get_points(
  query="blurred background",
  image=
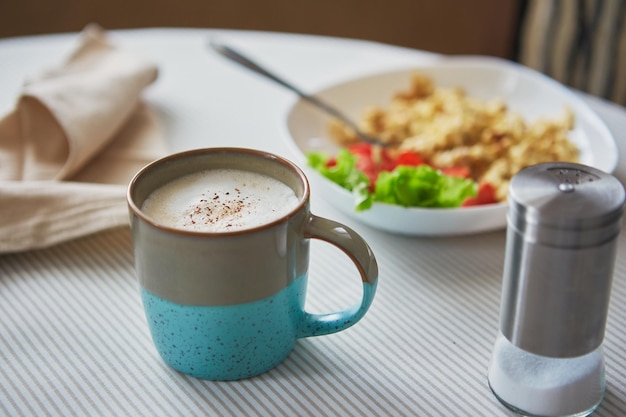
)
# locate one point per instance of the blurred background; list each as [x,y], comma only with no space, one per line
[581,43]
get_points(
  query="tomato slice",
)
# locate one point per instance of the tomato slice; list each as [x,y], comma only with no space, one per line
[361,148]
[409,158]
[486,194]
[372,160]
[461,172]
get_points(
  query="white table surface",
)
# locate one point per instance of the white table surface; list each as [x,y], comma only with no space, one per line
[73,338]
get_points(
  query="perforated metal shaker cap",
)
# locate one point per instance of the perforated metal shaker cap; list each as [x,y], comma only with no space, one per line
[566,204]
[563,221]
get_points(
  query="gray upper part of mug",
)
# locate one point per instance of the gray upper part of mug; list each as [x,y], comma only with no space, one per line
[218,267]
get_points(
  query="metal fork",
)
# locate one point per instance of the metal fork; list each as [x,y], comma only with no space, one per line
[237,57]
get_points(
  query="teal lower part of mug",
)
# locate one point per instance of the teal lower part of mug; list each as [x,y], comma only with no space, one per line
[226,342]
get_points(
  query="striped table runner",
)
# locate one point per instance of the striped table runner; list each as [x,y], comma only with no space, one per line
[74,341]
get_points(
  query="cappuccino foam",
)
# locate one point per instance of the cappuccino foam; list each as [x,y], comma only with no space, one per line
[220,200]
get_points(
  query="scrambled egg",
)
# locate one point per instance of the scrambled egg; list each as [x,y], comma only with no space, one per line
[450,129]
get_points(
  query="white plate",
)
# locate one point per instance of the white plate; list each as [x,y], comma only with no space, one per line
[524,90]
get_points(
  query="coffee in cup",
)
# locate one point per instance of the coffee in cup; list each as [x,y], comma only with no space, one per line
[220,200]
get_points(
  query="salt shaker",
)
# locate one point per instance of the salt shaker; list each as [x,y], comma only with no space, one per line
[563,223]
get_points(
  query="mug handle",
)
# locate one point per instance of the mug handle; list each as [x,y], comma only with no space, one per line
[361,254]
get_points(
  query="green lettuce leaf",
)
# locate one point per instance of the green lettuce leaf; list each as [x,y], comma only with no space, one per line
[422,186]
[345,174]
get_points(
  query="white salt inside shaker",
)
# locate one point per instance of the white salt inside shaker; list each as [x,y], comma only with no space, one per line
[563,222]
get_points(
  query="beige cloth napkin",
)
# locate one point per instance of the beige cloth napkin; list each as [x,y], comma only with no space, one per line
[75,138]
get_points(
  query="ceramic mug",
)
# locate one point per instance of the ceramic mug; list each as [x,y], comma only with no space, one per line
[230,305]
